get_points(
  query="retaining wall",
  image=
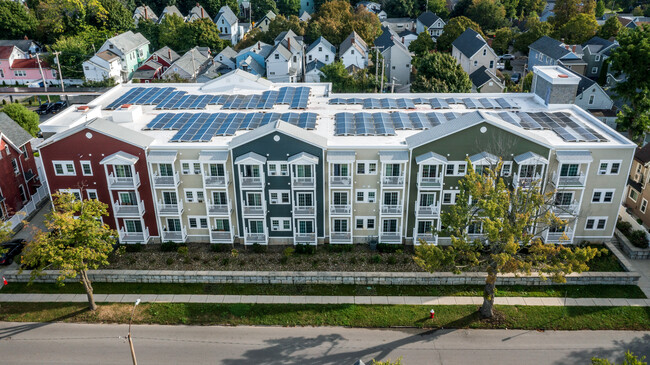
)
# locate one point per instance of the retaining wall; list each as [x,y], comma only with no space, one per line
[630,250]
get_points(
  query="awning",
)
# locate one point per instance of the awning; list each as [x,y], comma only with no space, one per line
[213,156]
[162,156]
[484,158]
[530,158]
[119,158]
[393,156]
[250,158]
[574,156]
[431,157]
[303,158]
[341,156]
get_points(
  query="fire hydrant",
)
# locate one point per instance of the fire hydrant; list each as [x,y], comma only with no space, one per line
[432,313]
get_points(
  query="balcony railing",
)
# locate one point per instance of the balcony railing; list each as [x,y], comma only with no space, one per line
[340,237]
[304,210]
[393,181]
[250,238]
[340,181]
[166,181]
[123,182]
[559,237]
[253,210]
[432,210]
[248,182]
[389,209]
[569,181]
[303,182]
[216,181]
[426,237]
[430,182]
[136,237]
[340,209]
[170,209]
[219,209]
[390,237]
[175,236]
[564,210]
[220,237]
[308,238]
[526,181]
[126,211]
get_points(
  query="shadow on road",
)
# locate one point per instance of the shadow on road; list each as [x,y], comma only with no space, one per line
[8,332]
[639,346]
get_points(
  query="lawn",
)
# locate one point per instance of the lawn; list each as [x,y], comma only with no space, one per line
[570,291]
[348,315]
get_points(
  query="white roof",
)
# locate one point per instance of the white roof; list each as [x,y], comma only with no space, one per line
[213,156]
[393,156]
[119,158]
[341,156]
[574,156]
[430,157]
[162,156]
[530,158]
[302,158]
[484,158]
[250,158]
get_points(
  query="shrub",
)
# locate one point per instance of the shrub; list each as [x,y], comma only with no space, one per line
[639,239]
[257,248]
[624,227]
[305,249]
[170,261]
[219,247]
[225,261]
[391,260]
[137,247]
[169,246]
[182,250]
[234,252]
[288,252]
[375,259]
[284,260]
[353,260]
[338,248]
[131,260]
[388,247]
[120,250]
[638,220]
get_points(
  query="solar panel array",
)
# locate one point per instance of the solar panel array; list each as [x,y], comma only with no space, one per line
[168,98]
[201,127]
[385,124]
[435,103]
[559,122]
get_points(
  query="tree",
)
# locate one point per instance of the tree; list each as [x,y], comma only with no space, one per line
[460,9]
[611,28]
[261,7]
[630,359]
[23,116]
[69,17]
[362,81]
[288,7]
[77,49]
[527,8]
[589,8]
[511,8]
[488,14]
[439,73]
[16,21]
[511,221]
[5,232]
[527,82]
[502,39]
[422,45]
[399,8]
[79,241]
[206,34]
[149,30]
[119,18]
[565,10]
[175,33]
[629,58]
[453,29]
[438,7]
[335,20]
[578,30]
[535,31]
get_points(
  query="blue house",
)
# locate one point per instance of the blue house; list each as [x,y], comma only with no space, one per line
[547,51]
[253,58]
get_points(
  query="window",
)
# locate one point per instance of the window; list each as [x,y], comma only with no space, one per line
[591,99]
[310,57]
[506,169]
[21,192]
[365,222]
[596,223]
[449,197]
[25,154]
[277,56]
[194,196]
[602,195]
[637,173]
[484,51]
[644,205]
[92,194]
[352,51]
[185,167]
[278,168]
[7,150]
[20,73]
[366,195]
[563,198]
[340,225]
[594,70]
[279,196]
[367,167]
[86,168]
[280,224]
[190,168]
[475,63]
[634,195]
[597,58]
[14,164]
[609,167]
[491,64]
[198,222]
[456,169]
[64,168]
[75,192]
[320,49]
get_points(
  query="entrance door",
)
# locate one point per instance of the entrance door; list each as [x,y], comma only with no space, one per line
[305,226]
[255,226]
[170,198]
[427,199]
[127,198]
[173,225]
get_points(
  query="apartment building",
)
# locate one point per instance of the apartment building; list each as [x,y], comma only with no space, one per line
[243,159]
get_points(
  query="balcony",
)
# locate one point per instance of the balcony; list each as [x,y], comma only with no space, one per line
[170,209]
[340,237]
[250,238]
[216,181]
[219,209]
[391,209]
[132,182]
[526,182]
[303,182]
[430,183]
[566,210]
[220,237]
[427,211]
[166,181]
[304,238]
[134,237]
[392,181]
[304,210]
[340,209]
[253,210]
[175,236]
[248,182]
[426,237]
[128,211]
[341,181]
[390,237]
[569,181]
[559,237]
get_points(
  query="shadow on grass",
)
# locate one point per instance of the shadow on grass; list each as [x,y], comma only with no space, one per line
[8,332]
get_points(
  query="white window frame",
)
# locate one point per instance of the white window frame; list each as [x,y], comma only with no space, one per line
[597,58]
[602,192]
[92,191]
[366,167]
[595,221]
[457,165]
[454,195]
[75,192]
[278,200]
[509,164]
[594,70]
[281,224]
[86,163]
[608,169]
[644,205]
[277,166]
[15,166]
[192,167]
[198,220]
[64,165]
[366,196]
[365,220]
[630,195]
[194,195]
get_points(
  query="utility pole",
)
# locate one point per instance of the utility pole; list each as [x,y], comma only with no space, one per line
[382,75]
[38,60]
[56,54]
[135,362]
[194,72]
[376,48]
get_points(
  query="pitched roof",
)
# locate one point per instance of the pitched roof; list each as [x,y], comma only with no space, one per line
[21,44]
[480,77]
[13,132]
[281,126]
[107,55]
[5,52]
[469,42]
[139,12]
[199,12]
[145,74]
[260,48]
[165,52]
[389,39]
[106,127]
[171,9]
[128,41]
[353,40]
[325,43]
[642,154]
[304,16]
[315,64]
[271,15]
[283,36]
[550,47]
[228,53]
[227,13]
[281,50]
[21,63]
[192,61]
[428,18]
[597,44]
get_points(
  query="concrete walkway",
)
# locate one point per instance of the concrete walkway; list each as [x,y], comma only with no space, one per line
[643,268]
[306,299]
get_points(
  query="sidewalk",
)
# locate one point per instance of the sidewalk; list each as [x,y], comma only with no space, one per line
[643,268]
[306,299]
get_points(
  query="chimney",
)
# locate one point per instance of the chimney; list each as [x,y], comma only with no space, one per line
[574,48]
[289,44]
[201,11]
[169,54]
[259,46]
[145,12]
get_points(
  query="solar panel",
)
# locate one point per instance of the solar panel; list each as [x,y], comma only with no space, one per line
[144,95]
[388,103]
[180,121]
[307,120]
[363,124]
[510,118]
[528,122]
[419,120]
[439,103]
[285,95]
[355,101]
[402,121]
[420,101]
[344,124]
[436,118]
[300,98]
[124,98]
[383,124]
[172,99]
[471,103]
[371,103]
[506,104]
[156,121]
[454,101]
[160,96]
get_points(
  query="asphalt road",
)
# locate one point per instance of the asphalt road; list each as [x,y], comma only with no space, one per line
[26,343]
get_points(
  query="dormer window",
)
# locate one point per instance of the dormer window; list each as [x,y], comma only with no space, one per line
[352,52]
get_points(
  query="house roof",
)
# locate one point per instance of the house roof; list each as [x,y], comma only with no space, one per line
[228,53]
[106,127]
[199,12]
[270,15]
[325,43]
[192,61]
[145,74]
[139,12]
[13,132]
[642,154]
[290,129]
[252,63]
[469,42]
[598,44]
[107,56]
[480,77]
[236,80]
[165,52]
[283,36]
[171,9]
[128,41]
[406,33]
[281,50]
[428,18]
[22,63]
[21,44]
[315,64]
[227,13]
[353,39]
[5,52]
[260,48]
[550,47]
[304,16]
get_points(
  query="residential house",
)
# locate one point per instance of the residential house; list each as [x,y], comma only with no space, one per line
[485,81]
[382,15]
[156,65]
[253,58]
[547,51]
[472,51]
[170,10]
[322,50]
[211,72]
[226,58]
[132,48]
[103,66]
[595,52]
[548,12]
[197,12]
[17,68]
[189,65]
[285,60]
[307,6]
[304,16]
[371,6]
[228,25]
[397,59]
[638,194]
[590,95]
[263,24]
[399,25]
[144,12]
[26,46]
[313,72]
[354,51]
[17,168]
[430,23]
[321,168]
[406,37]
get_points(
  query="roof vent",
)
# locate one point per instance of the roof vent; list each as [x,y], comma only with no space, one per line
[125,106]
[83,108]
[563,76]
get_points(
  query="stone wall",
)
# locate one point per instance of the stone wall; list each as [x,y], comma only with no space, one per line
[630,250]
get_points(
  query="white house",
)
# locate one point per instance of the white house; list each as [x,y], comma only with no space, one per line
[132,48]
[430,23]
[397,58]
[321,50]
[227,58]
[354,51]
[263,24]
[103,66]
[313,72]
[284,62]
[472,51]
[228,25]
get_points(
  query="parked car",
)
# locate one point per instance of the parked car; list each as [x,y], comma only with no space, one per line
[500,66]
[36,84]
[59,105]
[507,57]
[515,77]
[45,108]
[14,248]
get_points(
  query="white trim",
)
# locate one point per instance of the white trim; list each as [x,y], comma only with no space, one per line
[601,199]
[366,197]
[596,220]
[629,195]
[608,169]
[86,163]
[644,205]
[278,200]
[64,165]
[94,191]
[365,223]
[198,221]
[454,194]
[281,222]
[366,167]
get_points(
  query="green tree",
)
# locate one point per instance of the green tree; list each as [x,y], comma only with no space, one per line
[527,82]
[511,8]
[16,21]
[118,17]
[565,10]
[149,30]
[578,30]
[638,11]
[502,39]
[77,49]
[438,7]
[175,33]
[69,17]
[399,8]
[212,7]
[439,73]
[288,7]
[611,28]
[422,45]
[600,9]
[460,9]
[335,20]
[206,34]
[511,221]
[589,8]
[488,14]
[79,241]
[630,359]
[535,31]
[629,58]
[527,8]
[261,7]
[362,81]
[23,116]
[453,29]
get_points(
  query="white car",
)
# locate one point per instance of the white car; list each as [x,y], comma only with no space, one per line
[507,57]
[500,66]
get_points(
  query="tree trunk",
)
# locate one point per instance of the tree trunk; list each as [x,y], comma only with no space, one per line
[89,290]
[488,295]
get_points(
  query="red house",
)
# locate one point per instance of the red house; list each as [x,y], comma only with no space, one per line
[103,160]
[19,177]
[155,65]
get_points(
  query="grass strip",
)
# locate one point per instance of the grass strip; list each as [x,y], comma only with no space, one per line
[569,291]
[348,315]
